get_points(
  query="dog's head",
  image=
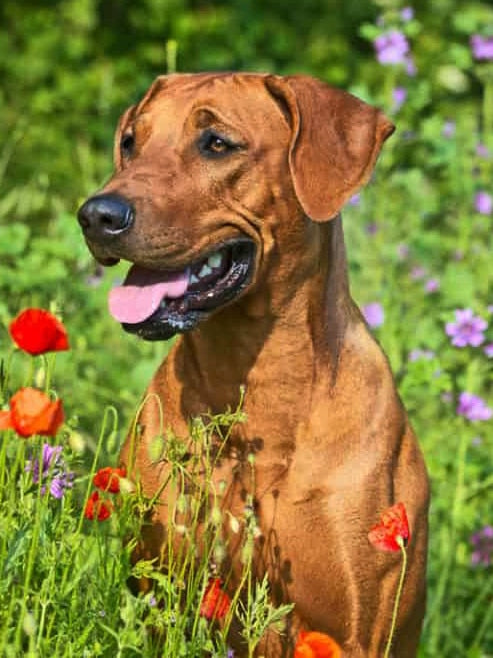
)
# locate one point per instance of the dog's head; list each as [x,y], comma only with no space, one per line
[214,175]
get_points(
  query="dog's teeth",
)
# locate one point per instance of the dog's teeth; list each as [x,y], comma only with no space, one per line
[193,279]
[214,260]
[205,271]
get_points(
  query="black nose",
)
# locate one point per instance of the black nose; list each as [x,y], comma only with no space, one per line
[105,215]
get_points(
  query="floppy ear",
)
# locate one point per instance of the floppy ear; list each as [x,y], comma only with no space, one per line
[336,139]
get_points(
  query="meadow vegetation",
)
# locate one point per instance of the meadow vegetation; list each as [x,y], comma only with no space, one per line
[419,241]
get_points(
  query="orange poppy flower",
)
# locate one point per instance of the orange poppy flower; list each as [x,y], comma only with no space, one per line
[215,602]
[37,331]
[312,644]
[108,479]
[32,412]
[97,508]
[393,526]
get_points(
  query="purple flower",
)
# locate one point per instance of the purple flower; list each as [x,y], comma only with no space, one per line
[53,471]
[482,47]
[407,13]
[417,272]
[490,308]
[371,228]
[473,407]
[373,314]
[399,95]
[482,151]
[467,328]
[432,285]
[482,543]
[448,129]
[483,203]
[355,199]
[391,48]
[402,251]
[488,350]
[410,66]
[416,354]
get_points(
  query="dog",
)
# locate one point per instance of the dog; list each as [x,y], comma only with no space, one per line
[226,200]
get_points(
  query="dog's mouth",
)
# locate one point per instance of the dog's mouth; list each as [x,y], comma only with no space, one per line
[155,304]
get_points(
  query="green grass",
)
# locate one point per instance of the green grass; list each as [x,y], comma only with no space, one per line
[63,590]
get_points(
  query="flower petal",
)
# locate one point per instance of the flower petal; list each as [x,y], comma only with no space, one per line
[312,644]
[37,331]
[6,420]
[108,479]
[33,412]
[97,508]
[215,602]
[393,526]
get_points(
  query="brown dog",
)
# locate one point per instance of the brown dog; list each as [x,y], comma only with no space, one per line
[226,199]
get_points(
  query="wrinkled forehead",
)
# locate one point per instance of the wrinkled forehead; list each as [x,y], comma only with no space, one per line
[238,99]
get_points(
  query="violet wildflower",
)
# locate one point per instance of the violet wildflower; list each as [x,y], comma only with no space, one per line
[402,251]
[373,314]
[432,285]
[482,151]
[473,407]
[482,47]
[371,228]
[399,95]
[482,542]
[490,309]
[355,199]
[483,203]
[410,66]
[488,350]
[53,471]
[418,272]
[448,129]
[391,47]
[418,353]
[467,329]
[407,14]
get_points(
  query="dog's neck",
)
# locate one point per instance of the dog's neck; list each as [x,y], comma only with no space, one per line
[258,341]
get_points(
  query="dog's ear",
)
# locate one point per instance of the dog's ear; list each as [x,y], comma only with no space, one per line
[336,139]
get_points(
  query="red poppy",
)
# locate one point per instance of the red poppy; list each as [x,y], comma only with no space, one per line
[108,479]
[37,331]
[98,508]
[393,527]
[32,412]
[311,644]
[215,602]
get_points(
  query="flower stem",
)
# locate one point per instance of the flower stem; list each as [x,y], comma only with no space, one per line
[397,597]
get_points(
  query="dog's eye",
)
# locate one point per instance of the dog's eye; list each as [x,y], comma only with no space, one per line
[127,145]
[212,145]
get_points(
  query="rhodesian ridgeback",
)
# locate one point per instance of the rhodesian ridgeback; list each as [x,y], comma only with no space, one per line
[226,200]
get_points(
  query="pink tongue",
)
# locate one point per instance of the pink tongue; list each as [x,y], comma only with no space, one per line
[142,292]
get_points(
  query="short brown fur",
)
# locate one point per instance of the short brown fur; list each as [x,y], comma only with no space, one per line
[336,447]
